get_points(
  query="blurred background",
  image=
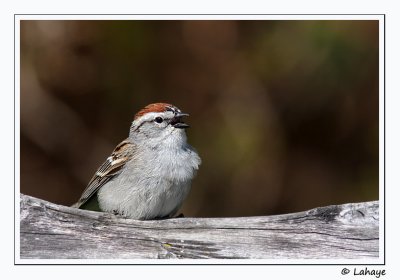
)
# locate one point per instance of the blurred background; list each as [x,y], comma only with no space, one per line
[284,114]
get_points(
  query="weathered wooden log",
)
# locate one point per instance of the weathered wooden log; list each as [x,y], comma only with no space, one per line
[347,231]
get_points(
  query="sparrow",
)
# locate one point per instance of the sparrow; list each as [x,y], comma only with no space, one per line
[149,174]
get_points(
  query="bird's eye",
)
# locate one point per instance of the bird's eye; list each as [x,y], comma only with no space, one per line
[158,120]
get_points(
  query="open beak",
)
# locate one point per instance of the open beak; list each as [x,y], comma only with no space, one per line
[177,121]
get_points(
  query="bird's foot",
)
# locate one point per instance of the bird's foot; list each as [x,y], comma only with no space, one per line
[117,213]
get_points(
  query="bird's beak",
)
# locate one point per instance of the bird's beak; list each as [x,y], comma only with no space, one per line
[177,120]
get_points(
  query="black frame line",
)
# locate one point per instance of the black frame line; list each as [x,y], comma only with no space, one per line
[225,264]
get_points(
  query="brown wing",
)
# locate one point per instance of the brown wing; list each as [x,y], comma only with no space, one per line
[111,167]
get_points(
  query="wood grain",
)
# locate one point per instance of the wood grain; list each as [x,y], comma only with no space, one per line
[50,231]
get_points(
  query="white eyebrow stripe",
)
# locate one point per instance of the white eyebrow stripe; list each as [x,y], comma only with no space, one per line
[173,109]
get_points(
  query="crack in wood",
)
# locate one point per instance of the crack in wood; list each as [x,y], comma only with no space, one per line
[345,231]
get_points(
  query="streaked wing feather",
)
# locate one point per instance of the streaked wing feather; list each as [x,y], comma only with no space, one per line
[111,167]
